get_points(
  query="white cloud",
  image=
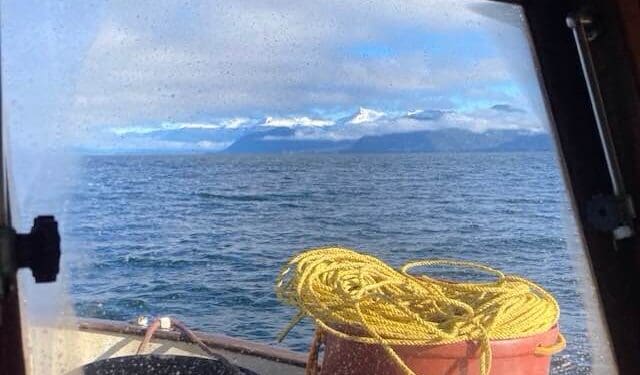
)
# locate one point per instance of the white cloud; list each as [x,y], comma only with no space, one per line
[289,122]
[258,56]
[477,120]
[141,143]
[189,125]
[133,130]
[163,126]
[235,123]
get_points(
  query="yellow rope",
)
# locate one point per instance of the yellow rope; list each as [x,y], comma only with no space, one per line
[360,298]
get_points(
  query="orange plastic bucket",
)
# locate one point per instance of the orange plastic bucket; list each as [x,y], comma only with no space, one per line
[509,357]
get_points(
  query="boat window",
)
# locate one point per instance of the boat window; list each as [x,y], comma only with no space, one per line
[188,149]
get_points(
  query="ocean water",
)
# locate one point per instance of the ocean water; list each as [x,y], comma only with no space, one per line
[202,237]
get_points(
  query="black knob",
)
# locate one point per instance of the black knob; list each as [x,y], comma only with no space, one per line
[40,249]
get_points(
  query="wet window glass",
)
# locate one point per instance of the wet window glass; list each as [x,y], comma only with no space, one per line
[189,149]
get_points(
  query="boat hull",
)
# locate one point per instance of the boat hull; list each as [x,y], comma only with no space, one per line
[88,340]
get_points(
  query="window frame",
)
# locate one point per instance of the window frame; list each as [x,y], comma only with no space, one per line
[615,266]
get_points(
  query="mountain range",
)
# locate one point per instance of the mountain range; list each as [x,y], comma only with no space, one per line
[365,131]
[442,140]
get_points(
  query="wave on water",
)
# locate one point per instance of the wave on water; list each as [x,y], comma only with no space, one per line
[254,197]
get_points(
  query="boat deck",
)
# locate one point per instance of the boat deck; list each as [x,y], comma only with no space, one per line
[88,340]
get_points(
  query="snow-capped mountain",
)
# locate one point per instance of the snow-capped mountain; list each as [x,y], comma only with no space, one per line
[365,115]
[366,129]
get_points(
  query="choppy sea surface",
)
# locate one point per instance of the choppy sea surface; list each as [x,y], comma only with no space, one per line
[202,237]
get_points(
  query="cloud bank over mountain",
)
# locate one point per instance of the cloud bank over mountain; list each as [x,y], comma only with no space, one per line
[363,122]
[189,74]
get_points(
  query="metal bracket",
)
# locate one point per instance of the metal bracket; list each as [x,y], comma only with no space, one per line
[607,213]
[614,214]
[38,250]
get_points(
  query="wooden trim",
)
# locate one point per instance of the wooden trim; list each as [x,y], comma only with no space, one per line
[629,14]
[214,341]
[12,359]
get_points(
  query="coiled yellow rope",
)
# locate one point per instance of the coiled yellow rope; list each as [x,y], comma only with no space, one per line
[360,298]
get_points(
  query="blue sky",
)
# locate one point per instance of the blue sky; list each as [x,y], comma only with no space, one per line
[74,71]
